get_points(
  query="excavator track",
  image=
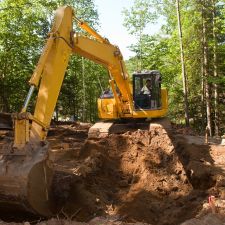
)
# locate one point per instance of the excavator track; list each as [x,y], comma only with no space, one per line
[104,128]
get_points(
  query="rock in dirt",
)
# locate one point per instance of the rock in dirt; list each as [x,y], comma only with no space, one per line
[111,221]
[210,219]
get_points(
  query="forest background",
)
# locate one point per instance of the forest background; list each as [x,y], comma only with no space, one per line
[188,50]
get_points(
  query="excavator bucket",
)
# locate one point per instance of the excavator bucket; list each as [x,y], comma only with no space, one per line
[5,121]
[25,180]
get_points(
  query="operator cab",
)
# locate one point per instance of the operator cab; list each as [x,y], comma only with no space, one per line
[147,90]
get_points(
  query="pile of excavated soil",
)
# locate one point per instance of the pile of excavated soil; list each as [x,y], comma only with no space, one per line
[153,177]
[146,176]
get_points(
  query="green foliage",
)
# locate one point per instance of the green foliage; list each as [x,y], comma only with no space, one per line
[162,52]
[71,99]
[23,30]
[136,20]
[23,25]
[139,16]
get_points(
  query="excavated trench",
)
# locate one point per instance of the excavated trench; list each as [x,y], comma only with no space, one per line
[155,176]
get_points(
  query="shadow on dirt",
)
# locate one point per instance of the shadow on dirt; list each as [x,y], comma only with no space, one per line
[147,176]
[151,208]
[176,181]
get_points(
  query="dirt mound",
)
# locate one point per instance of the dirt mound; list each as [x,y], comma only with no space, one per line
[137,176]
[152,177]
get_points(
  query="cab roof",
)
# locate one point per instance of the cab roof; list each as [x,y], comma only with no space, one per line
[147,72]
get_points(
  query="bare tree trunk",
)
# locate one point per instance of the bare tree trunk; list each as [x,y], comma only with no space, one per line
[56,113]
[140,50]
[206,70]
[203,111]
[203,94]
[215,71]
[90,108]
[84,91]
[184,75]
[3,95]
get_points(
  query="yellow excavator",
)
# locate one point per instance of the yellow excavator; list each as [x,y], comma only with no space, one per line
[26,178]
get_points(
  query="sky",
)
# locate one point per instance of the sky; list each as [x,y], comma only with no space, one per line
[111,24]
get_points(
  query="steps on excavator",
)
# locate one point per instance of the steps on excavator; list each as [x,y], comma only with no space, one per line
[162,123]
[100,129]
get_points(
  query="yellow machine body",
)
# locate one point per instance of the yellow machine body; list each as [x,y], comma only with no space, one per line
[107,109]
[49,74]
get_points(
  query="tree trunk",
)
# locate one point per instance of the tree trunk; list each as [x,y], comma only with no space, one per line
[140,50]
[4,107]
[215,71]
[206,69]
[56,113]
[84,91]
[202,93]
[184,75]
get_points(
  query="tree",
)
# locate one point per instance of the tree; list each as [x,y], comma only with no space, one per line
[24,27]
[184,76]
[203,39]
[136,20]
[18,39]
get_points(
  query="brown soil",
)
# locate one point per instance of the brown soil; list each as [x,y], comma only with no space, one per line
[153,177]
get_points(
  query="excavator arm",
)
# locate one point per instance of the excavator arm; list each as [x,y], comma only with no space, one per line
[110,57]
[49,73]
[47,77]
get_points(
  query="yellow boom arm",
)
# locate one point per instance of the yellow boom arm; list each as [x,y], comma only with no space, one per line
[50,71]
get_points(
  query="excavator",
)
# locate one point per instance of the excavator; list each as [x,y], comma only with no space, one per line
[26,177]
